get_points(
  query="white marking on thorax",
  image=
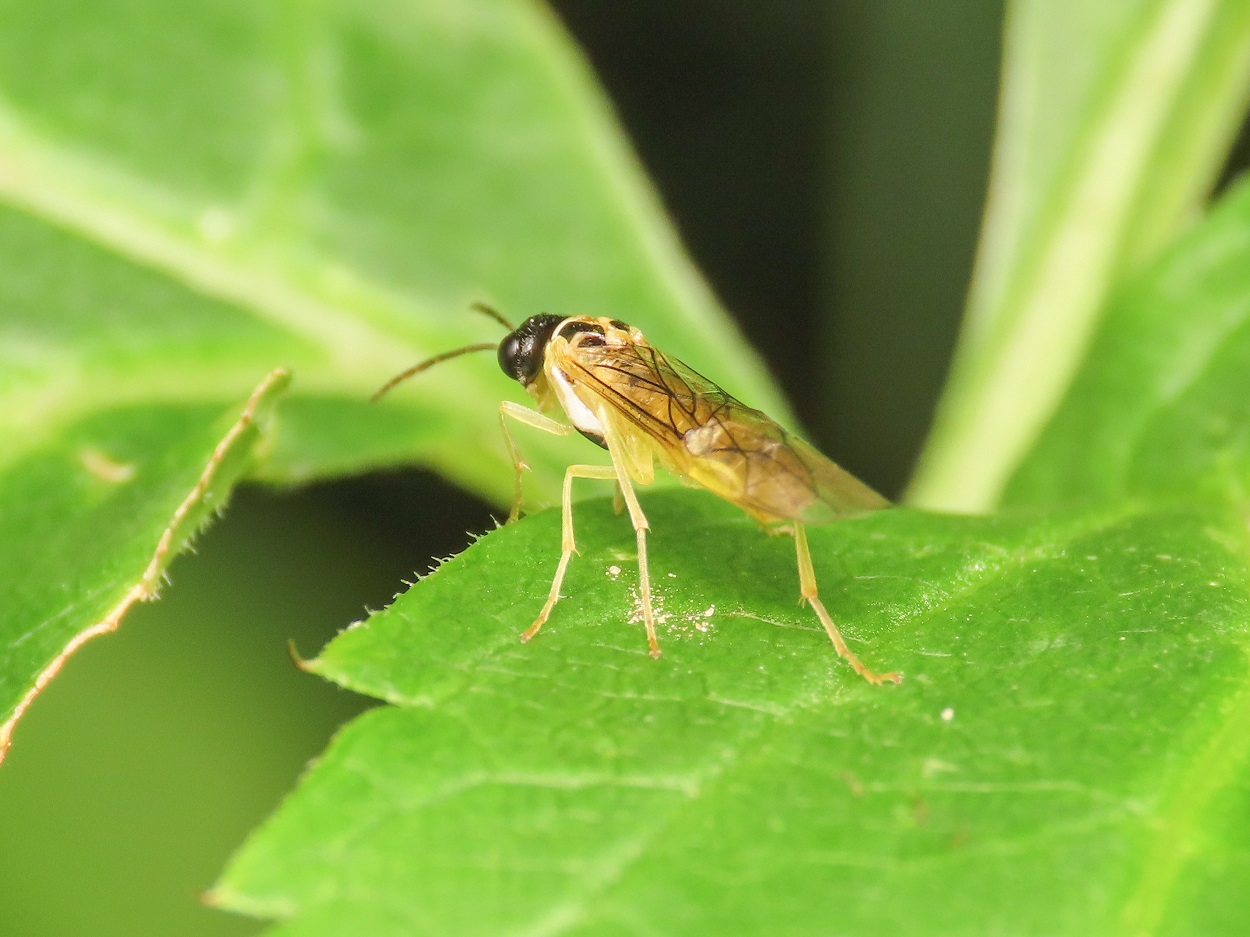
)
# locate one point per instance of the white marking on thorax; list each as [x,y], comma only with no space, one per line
[579,414]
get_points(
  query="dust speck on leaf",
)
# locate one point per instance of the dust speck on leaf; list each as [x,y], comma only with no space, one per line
[105,467]
[700,620]
[657,607]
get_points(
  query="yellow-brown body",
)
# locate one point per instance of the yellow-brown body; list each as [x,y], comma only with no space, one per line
[643,407]
[661,409]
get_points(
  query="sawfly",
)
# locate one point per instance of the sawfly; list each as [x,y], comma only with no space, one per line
[643,407]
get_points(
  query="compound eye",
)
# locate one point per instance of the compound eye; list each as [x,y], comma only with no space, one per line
[521,353]
[510,355]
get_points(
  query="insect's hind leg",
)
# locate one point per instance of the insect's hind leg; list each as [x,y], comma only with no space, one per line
[807,590]
[567,544]
[639,520]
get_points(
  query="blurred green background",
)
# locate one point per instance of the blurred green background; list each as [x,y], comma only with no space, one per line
[826,165]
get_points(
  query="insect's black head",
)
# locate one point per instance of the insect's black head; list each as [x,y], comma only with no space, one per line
[521,351]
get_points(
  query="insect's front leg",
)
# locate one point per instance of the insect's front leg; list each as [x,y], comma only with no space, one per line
[567,544]
[807,591]
[530,418]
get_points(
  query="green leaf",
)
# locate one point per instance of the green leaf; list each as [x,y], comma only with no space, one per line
[341,180]
[95,515]
[1161,408]
[1065,755]
[193,195]
[1114,119]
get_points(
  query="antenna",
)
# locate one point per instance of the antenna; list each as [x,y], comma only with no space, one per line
[447,355]
[427,364]
[494,314]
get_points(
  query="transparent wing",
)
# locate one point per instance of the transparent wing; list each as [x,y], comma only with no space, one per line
[707,437]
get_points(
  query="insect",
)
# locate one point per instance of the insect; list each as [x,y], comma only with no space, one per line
[643,407]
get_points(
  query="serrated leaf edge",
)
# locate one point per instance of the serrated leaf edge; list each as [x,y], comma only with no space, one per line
[148,585]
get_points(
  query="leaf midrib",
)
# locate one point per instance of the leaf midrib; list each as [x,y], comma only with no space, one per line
[1025,341]
[359,332]
[360,328]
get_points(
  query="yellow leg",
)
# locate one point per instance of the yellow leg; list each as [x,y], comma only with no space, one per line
[807,591]
[639,520]
[530,418]
[567,545]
